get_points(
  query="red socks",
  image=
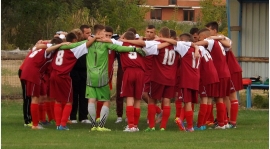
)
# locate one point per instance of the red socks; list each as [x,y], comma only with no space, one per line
[158,110]
[49,111]
[66,113]
[137,114]
[35,113]
[202,115]
[130,116]
[225,114]
[99,106]
[182,113]
[151,115]
[178,107]
[220,113]
[52,108]
[208,112]
[42,112]
[189,119]
[211,115]
[234,111]
[165,116]
[58,113]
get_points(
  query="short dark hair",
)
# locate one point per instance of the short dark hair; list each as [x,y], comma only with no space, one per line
[193,30]
[165,32]
[203,30]
[173,34]
[56,40]
[98,27]
[129,35]
[82,27]
[109,29]
[132,30]
[151,27]
[70,36]
[189,36]
[213,25]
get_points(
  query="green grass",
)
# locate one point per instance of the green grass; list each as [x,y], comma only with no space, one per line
[252,132]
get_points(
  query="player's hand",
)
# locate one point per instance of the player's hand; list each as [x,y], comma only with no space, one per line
[140,51]
[197,54]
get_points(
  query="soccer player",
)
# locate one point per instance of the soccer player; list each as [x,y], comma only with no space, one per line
[148,41]
[194,32]
[78,76]
[236,77]
[31,74]
[132,84]
[60,83]
[218,54]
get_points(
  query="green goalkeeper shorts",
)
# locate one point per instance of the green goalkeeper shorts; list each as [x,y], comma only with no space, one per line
[99,93]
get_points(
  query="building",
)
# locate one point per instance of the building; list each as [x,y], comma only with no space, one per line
[180,10]
[248,22]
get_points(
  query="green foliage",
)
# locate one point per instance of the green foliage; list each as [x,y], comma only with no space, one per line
[213,10]
[25,22]
[121,14]
[261,102]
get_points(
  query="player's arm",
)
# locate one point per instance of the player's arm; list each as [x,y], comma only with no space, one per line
[136,42]
[226,42]
[55,47]
[169,40]
[124,49]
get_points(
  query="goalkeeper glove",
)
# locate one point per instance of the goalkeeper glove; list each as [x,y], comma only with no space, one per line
[140,51]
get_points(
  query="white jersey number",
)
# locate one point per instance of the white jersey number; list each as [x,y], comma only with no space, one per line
[59,57]
[169,57]
[207,56]
[194,61]
[34,53]
[132,55]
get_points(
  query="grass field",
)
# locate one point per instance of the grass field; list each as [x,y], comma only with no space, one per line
[252,132]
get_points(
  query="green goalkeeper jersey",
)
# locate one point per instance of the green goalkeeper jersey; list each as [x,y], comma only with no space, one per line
[97,61]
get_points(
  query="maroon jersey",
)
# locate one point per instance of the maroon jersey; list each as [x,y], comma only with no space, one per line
[232,62]
[111,61]
[190,70]
[64,60]
[165,66]
[218,54]
[131,59]
[208,72]
[148,61]
[32,65]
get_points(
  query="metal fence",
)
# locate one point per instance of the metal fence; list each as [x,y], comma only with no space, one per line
[10,82]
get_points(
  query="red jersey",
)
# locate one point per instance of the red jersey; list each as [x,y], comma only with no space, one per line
[64,60]
[111,61]
[232,62]
[165,66]
[218,54]
[208,72]
[190,69]
[32,65]
[131,59]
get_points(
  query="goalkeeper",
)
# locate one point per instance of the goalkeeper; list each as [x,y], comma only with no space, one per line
[97,87]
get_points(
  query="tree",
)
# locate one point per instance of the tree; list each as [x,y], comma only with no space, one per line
[213,10]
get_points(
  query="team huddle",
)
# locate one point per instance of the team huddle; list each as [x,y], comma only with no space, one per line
[156,68]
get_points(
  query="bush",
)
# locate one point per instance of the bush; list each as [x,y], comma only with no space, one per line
[261,102]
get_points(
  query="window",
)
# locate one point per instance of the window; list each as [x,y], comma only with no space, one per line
[156,14]
[188,15]
[172,2]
